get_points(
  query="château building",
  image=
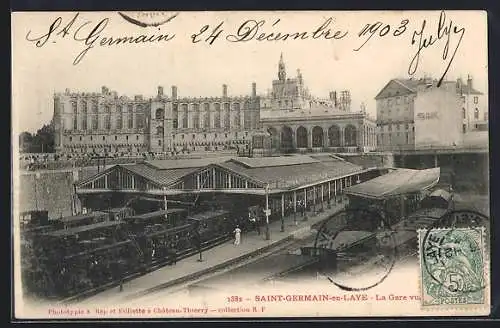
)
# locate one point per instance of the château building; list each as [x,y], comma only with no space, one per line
[296,120]
[107,122]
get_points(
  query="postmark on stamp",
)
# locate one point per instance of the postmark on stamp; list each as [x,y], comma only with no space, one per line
[452,266]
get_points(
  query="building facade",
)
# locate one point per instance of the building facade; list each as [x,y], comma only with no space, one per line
[341,132]
[399,107]
[295,120]
[100,122]
[106,123]
[436,108]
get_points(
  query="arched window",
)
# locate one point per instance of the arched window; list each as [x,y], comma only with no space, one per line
[130,116]
[247,116]
[160,114]
[350,135]
[301,137]
[476,114]
[236,108]
[184,108]
[159,131]
[217,116]
[95,107]
[84,115]
[84,107]
[286,138]
[196,116]
[175,116]
[107,122]
[334,136]
[227,116]
[139,118]
[274,137]
[317,137]
[464,116]
[206,118]
[119,117]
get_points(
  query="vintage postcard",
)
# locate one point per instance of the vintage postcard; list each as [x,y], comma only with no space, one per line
[250,164]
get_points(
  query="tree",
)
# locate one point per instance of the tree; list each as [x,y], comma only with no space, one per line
[41,142]
[25,142]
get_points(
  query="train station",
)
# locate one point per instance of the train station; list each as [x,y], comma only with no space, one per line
[135,219]
[278,185]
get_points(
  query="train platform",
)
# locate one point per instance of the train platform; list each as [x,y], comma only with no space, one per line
[214,259]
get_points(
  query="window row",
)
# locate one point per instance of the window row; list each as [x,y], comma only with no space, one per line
[476,114]
[397,127]
[193,136]
[94,108]
[103,138]
[94,123]
[396,101]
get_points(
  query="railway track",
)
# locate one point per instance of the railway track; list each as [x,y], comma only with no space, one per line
[288,244]
[155,265]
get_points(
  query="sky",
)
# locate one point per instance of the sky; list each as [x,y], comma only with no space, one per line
[200,69]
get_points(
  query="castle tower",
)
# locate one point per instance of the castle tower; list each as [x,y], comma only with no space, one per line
[281,69]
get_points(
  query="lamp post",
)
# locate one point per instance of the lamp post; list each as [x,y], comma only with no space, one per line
[268,235]
[282,228]
[165,202]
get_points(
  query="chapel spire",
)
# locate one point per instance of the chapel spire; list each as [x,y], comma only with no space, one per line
[281,69]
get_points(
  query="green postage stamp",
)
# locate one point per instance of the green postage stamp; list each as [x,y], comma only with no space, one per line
[453,267]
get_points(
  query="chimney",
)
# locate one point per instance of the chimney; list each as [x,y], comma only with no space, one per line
[174,92]
[333,97]
[224,90]
[254,89]
[469,82]
[160,91]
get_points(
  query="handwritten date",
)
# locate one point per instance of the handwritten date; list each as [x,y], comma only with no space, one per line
[381,30]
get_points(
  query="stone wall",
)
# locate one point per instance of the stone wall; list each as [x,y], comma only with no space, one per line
[49,190]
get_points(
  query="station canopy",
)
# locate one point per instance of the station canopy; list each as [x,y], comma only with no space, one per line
[288,172]
[279,173]
[397,182]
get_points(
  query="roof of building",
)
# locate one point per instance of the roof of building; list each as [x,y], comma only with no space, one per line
[155,214]
[159,176]
[169,164]
[88,227]
[441,194]
[318,111]
[290,173]
[397,182]
[255,162]
[208,215]
[80,217]
[280,172]
[412,85]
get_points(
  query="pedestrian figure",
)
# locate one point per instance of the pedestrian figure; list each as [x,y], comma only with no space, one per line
[237,235]
[121,285]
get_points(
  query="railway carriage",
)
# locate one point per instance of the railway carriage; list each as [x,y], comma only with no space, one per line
[119,213]
[155,221]
[212,226]
[60,255]
[88,251]
[82,219]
